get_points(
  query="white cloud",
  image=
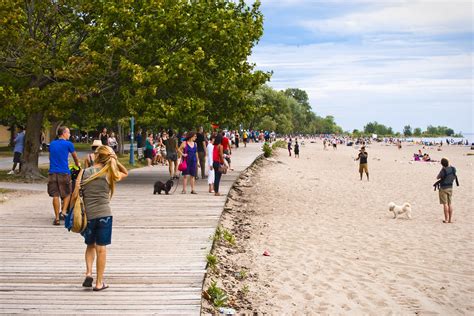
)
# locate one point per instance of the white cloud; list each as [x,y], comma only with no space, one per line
[383,82]
[414,16]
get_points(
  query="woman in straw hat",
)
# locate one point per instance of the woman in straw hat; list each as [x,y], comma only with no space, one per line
[98,186]
[89,160]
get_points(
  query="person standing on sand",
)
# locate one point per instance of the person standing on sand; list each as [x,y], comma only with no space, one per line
[98,185]
[363,166]
[297,149]
[289,147]
[447,175]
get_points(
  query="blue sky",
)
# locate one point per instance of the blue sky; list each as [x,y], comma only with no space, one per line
[396,62]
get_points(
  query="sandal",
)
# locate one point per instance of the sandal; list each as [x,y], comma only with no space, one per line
[56,222]
[104,287]
[193,192]
[183,192]
[87,281]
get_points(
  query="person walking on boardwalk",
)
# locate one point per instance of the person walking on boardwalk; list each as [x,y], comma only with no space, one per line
[201,148]
[171,144]
[188,150]
[18,149]
[363,166]
[59,178]
[104,137]
[227,150]
[217,162]
[446,177]
[98,186]
[211,174]
[245,136]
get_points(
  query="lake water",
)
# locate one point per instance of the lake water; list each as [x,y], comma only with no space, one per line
[468,136]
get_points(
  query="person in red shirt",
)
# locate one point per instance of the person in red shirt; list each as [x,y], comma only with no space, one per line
[227,150]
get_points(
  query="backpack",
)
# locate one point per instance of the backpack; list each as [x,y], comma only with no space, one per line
[76,219]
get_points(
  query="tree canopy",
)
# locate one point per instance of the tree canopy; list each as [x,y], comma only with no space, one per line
[181,63]
[288,112]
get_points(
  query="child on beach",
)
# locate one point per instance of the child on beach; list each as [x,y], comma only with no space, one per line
[289,147]
[362,157]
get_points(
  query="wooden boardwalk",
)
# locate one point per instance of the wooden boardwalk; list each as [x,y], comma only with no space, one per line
[155,265]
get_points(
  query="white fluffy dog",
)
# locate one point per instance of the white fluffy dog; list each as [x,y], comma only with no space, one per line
[399,210]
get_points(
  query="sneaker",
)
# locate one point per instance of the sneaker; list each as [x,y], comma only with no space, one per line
[11,172]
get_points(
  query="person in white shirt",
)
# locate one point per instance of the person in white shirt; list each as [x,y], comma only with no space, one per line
[112,142]
[210,175]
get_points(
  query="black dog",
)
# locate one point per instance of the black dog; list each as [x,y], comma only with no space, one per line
[160,186]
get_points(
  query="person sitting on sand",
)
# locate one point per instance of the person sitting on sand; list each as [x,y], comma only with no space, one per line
[426,157]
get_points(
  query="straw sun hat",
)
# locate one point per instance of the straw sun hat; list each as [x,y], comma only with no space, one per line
[96,143]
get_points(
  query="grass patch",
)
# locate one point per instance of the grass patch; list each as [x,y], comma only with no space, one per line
[279,144]
[3,191]
[5,177]
[125,161]
[218,296]
[267,150]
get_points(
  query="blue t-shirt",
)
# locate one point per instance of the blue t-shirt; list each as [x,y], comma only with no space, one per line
[19,142]
[58,156]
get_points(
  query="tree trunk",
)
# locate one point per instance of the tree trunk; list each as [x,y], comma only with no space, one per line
[12,135]
[53,131]
[29,169]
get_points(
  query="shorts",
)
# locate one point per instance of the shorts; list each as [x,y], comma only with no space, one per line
[149,153]
[227,158]
[98,231]
[363,167]
[445,196]
[172,156]
[17,157]
[59,184]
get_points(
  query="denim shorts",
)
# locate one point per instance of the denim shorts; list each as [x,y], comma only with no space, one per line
[98,231]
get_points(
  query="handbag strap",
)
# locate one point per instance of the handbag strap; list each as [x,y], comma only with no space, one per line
[77,188]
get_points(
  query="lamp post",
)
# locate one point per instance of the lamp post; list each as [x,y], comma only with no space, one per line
[132,140]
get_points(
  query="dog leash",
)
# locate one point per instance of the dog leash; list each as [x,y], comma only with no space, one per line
[177,184]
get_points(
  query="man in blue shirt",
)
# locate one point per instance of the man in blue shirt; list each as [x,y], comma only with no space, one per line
[59,178]
[18,150]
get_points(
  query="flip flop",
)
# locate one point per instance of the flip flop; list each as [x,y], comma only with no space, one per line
[56,222]
[183,192]
[104,287]
[193,192]
[87,281]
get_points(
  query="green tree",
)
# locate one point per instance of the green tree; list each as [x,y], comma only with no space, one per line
[179,63]
[407,130]
[417,132]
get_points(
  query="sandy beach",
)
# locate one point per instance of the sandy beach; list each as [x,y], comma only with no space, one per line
[334,246]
